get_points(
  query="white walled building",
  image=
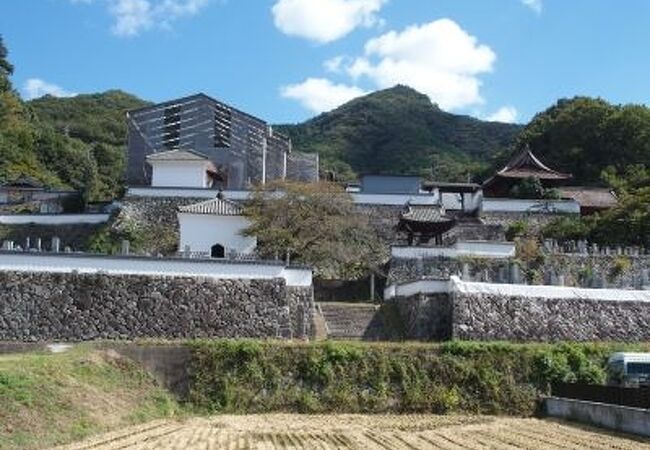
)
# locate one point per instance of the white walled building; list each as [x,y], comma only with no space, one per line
[214,228]
[181,168]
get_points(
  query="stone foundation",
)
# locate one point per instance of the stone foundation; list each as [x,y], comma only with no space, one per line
[472,316]
[41,306]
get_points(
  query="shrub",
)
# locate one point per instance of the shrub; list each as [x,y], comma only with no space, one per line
[472,377]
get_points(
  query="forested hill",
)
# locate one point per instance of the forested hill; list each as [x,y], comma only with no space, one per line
[399,131]
[92,118]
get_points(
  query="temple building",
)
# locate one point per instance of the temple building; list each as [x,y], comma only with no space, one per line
[214,228]
[523,165]
[423,224]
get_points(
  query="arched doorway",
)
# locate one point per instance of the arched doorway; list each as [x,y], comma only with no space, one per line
[217,251]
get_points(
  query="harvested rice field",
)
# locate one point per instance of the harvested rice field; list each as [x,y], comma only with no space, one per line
[330,432]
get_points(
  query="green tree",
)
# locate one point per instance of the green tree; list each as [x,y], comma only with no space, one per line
[318,225]
[584,136]
[6,69]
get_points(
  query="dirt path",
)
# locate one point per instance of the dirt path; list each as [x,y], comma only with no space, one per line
[330,432]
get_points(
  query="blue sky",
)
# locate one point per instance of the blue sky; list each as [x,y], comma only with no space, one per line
[287,60]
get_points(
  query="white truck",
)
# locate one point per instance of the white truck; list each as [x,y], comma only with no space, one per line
[628,369]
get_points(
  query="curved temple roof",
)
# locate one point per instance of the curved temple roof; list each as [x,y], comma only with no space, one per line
[525,164]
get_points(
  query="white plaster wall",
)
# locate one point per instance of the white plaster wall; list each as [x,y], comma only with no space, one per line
[484,249]
[53,219]
[67,263]
[416,287]
[201,231]
[179,174]
[522,205]
[455,284]
[395,199]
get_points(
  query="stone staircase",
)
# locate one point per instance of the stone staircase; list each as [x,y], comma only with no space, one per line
[352,321]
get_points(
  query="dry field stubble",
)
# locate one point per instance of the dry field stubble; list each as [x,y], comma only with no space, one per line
[329,432]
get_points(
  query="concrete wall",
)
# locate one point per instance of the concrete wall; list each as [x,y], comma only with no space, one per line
[613,417]
[41,306]
[179,174]
[201,231]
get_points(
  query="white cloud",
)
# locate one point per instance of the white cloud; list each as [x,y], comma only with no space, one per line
[535,5]
[325,20]
[438,58]
[320,94]
[334,64]
[131,17]
[506,114]
[35,87]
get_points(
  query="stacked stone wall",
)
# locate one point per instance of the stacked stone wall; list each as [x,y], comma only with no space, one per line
[38,306]
[402,270]
[472,316]
[492,317]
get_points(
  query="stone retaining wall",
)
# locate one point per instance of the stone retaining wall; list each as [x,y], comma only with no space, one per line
[403,270]
[39,306]
[493,317]
[488,317]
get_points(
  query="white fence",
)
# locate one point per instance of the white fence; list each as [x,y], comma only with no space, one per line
[53,219]
[455,284]
[68,263]
[479,249]
[515,205]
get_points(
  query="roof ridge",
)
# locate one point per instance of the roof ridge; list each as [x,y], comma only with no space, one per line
[215,206]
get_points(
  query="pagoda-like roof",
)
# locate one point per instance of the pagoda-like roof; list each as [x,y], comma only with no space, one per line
[215,207]
[525,165]
[425,214]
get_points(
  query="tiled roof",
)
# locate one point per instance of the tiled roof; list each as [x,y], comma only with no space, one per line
[525,164]
[177,155]
[216,207]
[24,181]
[590,197]
[425,214]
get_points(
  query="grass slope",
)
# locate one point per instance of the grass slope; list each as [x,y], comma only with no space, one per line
[50,399]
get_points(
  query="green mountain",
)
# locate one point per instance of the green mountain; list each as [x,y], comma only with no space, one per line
[399,131]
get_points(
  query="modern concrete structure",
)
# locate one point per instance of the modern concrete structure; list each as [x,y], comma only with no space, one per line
[245,150]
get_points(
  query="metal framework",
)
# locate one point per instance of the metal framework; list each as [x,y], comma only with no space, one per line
[243,147]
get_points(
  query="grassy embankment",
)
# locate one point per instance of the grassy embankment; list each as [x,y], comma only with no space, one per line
[454,377]
[49,399]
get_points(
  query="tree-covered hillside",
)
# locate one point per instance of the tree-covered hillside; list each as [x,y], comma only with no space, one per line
[584,136]
[73,142]
[399,131]
[98,121]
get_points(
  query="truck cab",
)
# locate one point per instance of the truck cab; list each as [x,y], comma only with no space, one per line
[628,369]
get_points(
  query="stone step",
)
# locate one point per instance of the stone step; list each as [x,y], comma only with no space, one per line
[351,320]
